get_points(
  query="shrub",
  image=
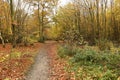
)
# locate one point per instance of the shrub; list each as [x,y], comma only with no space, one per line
[86,55]
[102,65]
[90,64]
[109,75]
[62,51]
[66,50]
[15,55]
[73,37]
[104,44]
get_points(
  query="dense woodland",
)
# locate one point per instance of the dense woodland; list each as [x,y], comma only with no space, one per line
[88,32]
[25,20]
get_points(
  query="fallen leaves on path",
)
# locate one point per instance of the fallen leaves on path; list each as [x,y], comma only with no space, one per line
[15,69]
[57,65]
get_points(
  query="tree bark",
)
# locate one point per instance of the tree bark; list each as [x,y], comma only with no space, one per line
[12,24]
[3,43]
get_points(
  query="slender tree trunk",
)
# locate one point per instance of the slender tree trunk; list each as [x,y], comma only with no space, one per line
[13,26]
[1,38]
[3,43]
[92,23]
[39,20]
[105,20]
[42,25]
[13,36]
[97,17]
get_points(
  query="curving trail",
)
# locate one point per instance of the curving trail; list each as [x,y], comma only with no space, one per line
[40,69]
[47,65]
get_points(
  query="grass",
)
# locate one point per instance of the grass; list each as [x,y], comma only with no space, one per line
[91,64]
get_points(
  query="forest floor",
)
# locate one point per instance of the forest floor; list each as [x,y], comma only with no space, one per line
[46,65]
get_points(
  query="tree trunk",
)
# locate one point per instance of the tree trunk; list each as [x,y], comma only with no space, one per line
[13,36]
[3,43]
[39,19]
[42,26]
[97,17]
[13,26]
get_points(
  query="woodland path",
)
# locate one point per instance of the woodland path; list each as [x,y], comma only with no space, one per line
[40,69]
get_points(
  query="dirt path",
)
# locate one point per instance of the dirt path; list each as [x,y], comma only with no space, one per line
[40,69]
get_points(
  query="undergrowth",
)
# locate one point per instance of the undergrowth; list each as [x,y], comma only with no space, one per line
[90,64]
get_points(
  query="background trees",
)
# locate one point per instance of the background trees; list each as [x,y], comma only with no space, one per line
[4,22]
[23,20]
[95,20]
